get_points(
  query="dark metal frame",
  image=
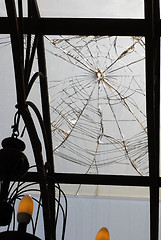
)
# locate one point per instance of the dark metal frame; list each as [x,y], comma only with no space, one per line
[23,85]
[148,27]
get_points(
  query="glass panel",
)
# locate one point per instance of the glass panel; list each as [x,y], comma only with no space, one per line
[86,8]
[8,97]
[92,8]
[105,191]
[98,105]
[7,90]
[125,218]
[2,9]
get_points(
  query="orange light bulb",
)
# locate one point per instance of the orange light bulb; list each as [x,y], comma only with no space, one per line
[26,205]
[103,234]
[25,209]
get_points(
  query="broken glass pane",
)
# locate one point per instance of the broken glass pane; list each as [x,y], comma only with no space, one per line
[98,107]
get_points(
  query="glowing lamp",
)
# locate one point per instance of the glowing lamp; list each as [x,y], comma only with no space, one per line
[25,210]
[103,234]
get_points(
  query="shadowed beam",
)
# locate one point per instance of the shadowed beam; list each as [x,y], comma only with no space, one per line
[91,179]
[80,26]
[152,41]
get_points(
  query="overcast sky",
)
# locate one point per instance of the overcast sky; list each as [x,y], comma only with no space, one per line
[92,8]
[88,8]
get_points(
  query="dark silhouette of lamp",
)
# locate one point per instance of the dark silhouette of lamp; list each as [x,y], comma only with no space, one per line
[13,161]
[16,235]
[13,165]
[5,213]
[103,234]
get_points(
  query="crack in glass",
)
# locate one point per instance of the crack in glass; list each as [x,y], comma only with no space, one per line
[98,107]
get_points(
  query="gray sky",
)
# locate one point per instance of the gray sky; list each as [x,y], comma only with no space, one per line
[92,8]
[88,8]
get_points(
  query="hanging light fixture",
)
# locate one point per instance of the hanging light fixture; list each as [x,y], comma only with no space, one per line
[24,216]
[13,161]
[6,211]
[103,234]
[14,164]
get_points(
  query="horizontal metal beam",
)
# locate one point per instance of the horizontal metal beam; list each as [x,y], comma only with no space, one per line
[102,179]
[79,26]
[91,179]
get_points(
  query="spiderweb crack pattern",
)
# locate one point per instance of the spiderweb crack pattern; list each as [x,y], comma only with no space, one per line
[98,110]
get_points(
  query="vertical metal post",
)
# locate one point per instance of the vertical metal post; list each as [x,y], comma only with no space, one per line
[16,51]
[46,119]
[152,18]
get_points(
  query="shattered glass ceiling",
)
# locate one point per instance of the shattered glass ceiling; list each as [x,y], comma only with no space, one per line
[97,100]
[97,94]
